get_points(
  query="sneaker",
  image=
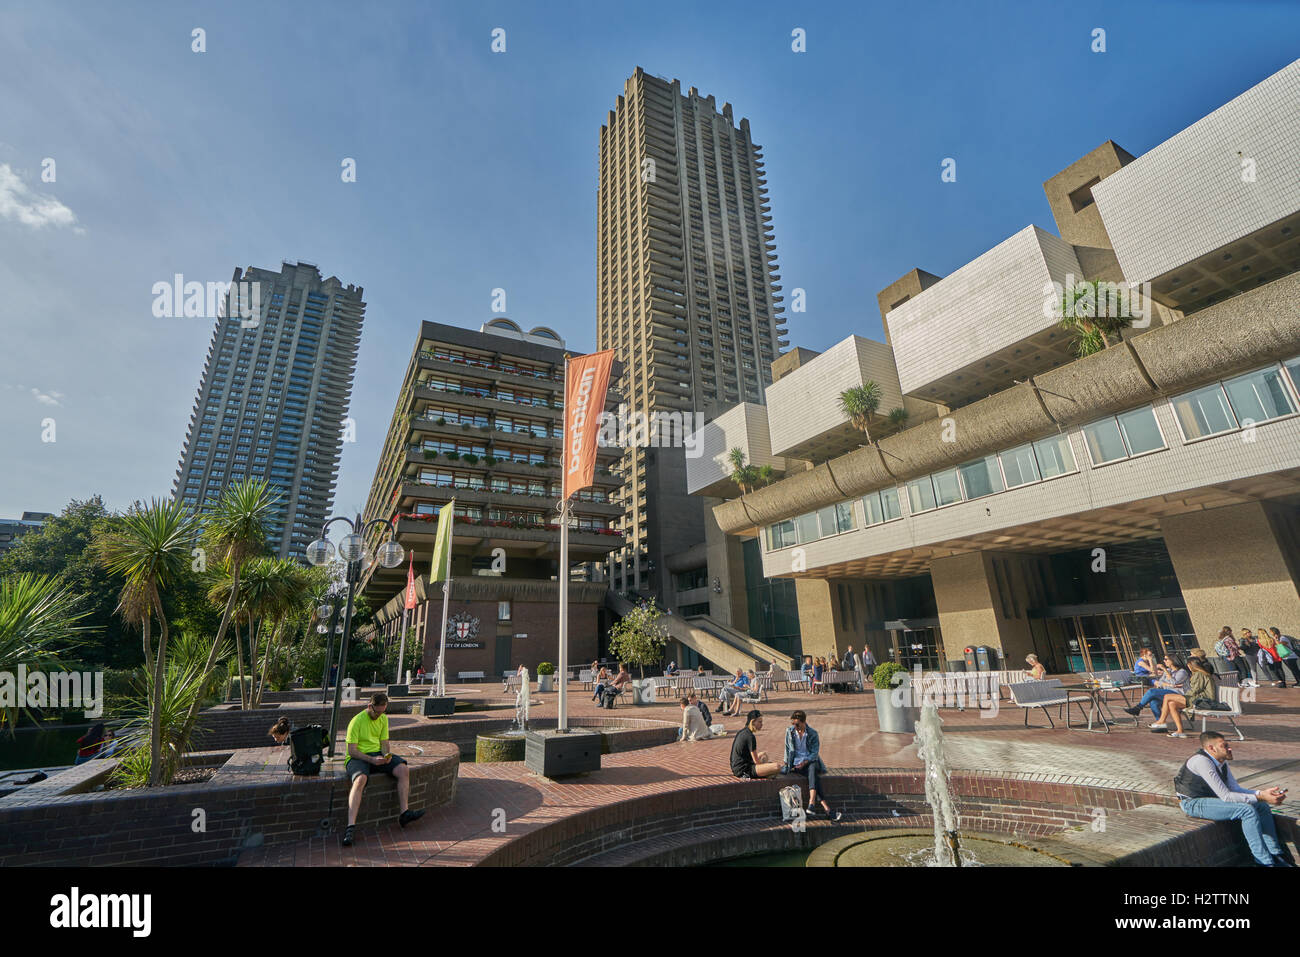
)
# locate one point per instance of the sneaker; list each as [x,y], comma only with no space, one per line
[1134,711]
[837,815]
[811,811]
[1158,726]
[348,833]
[1280,861]
[406,817]
[1176,734]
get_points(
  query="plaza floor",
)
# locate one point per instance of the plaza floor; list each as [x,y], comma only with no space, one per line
[462,833]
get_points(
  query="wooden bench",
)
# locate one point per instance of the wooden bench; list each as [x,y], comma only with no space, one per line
[1228,695]
[467,675]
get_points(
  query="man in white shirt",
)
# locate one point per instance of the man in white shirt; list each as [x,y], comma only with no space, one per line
[693,726]
[1206,789]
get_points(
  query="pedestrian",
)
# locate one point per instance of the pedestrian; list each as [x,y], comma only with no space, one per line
[803,757]
[1288,650]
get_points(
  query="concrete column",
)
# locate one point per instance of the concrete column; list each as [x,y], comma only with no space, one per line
[982,599]
[821,626]
[726,562]
[1238,565]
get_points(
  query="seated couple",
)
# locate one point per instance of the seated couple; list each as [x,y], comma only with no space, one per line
[802,756]
[697,723]
[743,687]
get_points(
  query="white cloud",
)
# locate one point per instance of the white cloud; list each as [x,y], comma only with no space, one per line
[21,204]
[47,398]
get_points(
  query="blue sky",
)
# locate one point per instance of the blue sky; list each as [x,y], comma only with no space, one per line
[477,170]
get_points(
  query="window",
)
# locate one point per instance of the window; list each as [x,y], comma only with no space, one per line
[1141,432]
[982,477]
[920,495]
[836,518]
[1292,367]
[1105,443]
[1259,396]
[1055,456]
[1204,412]
[947,487]
[806,527]
[503,611]
[781,535]
[1019,467]
[882,506]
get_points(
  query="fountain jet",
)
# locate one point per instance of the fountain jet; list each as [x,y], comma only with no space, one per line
[938,787]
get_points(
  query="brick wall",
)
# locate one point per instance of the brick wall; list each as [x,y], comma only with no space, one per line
[539,620]
[252,800]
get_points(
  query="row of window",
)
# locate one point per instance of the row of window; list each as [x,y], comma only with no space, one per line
[1245,400]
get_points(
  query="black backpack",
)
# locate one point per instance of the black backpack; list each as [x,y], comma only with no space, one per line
[306,749]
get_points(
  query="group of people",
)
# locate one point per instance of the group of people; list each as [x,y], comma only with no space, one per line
[802,757]
[815,669]
[605,686]
[1176,684]
[1266,655]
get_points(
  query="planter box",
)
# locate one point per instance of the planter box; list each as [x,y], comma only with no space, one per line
[893,719]
[554,754]
[433,707]
[545,683]
[399,691]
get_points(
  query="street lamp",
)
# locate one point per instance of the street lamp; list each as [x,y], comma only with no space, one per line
[352,549]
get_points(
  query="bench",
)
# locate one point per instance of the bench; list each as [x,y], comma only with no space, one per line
[512,682]
[704,687]
[1230,696]
[791,678]
[1043,694]
[467,675]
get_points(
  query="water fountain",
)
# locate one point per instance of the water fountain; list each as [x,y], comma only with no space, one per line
[508,745]
[938,787]
[521,701]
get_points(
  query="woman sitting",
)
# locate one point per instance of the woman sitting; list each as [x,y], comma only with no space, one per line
[93,743]
[1036,669]
[1201,685]
[1145,668]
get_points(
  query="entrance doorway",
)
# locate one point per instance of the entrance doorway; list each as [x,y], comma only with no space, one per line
[916,641]
[1108,637]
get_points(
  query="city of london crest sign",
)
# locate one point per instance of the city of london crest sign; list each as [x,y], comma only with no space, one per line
[462,631]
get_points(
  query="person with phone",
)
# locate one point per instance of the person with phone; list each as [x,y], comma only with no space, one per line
[1207,790]
[367,744]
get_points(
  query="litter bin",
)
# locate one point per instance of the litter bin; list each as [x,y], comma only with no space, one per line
[971,664]
[986,658]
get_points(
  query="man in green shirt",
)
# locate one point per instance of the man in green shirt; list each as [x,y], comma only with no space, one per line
[367,744]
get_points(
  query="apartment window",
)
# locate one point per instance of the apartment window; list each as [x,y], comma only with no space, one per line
[982,477]
[1121,436]
[806,527]
[1019,467]
[947,486]
[920,495]
[1055,456]
[835,519]
[1204,412]
[781,535]
[1141,431]
[1293,368]
[503,611]
[1259,396]
[880,507]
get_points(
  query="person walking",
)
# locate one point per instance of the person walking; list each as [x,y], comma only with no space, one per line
[1269,659]
[1288,650]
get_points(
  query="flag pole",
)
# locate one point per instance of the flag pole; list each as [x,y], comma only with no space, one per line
[406,615]
[562,720]
[446,601]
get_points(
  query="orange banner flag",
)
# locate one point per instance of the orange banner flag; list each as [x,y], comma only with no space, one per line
[585,385]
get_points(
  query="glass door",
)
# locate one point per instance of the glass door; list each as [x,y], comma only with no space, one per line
[917,647]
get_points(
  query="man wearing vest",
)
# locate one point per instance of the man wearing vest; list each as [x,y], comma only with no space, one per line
[1206,789]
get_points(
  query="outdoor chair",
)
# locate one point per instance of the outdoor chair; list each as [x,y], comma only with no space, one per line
[704,687]
[511,683]
[662,686]
[585,676]
[1044,694]
[1230,696]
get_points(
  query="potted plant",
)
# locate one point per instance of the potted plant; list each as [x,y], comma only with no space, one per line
[545,677]
[893,699]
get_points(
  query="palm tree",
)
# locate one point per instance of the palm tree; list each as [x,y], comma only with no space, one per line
[745,476]
[38,619]
[235,530]
[150,549]
[897,417]
[280,589]
[1092,316]
[860,403]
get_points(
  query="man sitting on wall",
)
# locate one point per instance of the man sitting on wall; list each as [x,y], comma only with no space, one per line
[693,726]
[747,762]
[367,744]
[1206,789]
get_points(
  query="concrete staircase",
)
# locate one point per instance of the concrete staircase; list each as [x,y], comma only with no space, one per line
[726,647]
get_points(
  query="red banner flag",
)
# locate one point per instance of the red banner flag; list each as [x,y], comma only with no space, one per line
[585,385]
[410,582]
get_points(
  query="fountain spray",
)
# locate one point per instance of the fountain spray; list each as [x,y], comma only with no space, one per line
[938,787]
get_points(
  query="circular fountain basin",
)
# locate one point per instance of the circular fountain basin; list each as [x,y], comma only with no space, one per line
[894,848]
[499,746]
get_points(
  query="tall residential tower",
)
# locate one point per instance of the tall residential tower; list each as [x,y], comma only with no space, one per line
[273,397]
[686,286]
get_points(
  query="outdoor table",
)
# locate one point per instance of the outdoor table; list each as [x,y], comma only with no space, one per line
[1098,707]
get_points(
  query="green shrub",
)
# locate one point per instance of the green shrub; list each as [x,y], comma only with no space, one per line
[883,676]
[546,668]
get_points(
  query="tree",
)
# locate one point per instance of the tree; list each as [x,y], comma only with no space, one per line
[38,622]
[235,530]
[745,476]
[63,549]
[638,637]
[860,403]
[1093,312]
[897,417]
[151,551]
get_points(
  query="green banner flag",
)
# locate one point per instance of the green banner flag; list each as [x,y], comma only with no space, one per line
[442,544]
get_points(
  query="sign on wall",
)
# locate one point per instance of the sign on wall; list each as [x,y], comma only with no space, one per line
[462,631]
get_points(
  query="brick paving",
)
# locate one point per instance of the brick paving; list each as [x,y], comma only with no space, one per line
[462,833]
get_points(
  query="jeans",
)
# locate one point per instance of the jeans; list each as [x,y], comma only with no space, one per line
[810,771]
[1292,665]
[1256,822]
[1242,666]
[1154,697]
